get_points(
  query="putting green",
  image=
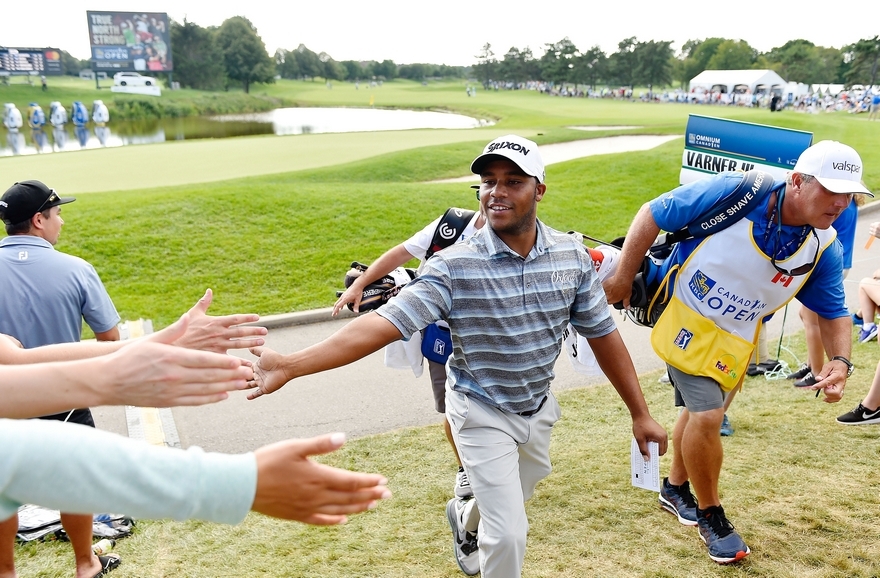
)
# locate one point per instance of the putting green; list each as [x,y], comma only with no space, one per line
[201,161]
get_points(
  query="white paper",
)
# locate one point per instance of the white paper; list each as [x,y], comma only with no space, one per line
[645,475]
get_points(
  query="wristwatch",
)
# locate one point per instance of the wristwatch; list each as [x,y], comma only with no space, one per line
[849,366]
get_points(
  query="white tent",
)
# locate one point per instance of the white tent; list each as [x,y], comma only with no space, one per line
[826,89]
[795,90]
[730,81]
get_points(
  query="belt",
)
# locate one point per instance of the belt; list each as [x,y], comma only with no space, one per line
[532,412]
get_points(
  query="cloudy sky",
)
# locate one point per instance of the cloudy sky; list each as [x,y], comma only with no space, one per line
[453,31]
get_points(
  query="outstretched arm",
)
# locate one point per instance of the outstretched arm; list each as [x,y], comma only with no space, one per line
[355,340]
[203,331]
[641,235]
[387,262]
[616,364]
[46,462]
[145,373]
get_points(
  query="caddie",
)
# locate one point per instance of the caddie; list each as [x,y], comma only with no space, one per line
[722,286]
[508,294]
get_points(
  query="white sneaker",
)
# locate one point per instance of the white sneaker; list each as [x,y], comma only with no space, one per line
[464,543]
[664,378]
[462,484]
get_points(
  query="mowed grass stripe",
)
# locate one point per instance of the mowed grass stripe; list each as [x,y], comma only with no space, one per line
[212,160]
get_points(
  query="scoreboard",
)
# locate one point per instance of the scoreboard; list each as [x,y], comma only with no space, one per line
[35,61]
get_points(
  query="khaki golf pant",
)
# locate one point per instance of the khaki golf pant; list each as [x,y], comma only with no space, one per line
[505,456]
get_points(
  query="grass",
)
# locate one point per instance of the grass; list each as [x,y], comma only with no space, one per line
[800,489]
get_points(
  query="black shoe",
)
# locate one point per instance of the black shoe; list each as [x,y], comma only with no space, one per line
[860,416]
[762,368]
[807,381]
[800,373]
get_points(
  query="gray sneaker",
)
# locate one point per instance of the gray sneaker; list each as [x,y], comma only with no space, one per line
[464,543]
[725,545]
[679,501]
[462,484]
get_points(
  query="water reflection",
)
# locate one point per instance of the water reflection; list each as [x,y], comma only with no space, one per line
[72,138]
[284,121]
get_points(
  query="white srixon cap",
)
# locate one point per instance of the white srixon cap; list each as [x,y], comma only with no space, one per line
[836,166]
[522,151]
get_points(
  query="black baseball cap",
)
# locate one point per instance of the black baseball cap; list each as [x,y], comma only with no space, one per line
[25,199]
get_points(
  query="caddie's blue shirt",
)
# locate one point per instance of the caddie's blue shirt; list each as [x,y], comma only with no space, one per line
[845,225]
[45,294]
[823,292]
[506,314]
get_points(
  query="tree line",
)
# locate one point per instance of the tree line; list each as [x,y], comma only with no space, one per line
[654,63]
[233,54]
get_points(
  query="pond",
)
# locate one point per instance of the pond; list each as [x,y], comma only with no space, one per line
[282,121]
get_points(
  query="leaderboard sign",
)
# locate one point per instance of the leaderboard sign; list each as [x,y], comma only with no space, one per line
[714,145]
[130,41]
[33,61]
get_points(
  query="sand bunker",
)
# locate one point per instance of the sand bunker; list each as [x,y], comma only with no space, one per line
[567,151]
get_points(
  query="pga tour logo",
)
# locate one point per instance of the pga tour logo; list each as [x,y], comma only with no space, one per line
[439,347]
[683,339]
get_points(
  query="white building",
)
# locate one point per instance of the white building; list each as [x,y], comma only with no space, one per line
[730,81]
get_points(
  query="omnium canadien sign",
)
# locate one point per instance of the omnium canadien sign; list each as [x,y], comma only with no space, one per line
[714,145]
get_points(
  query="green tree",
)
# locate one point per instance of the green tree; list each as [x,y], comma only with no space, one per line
[733,55]
[590,67]
[486,67]
[385,70]
[695,57]
[802,61]
[623,64]
[286,65]
[654,63]
[416,71]
[862,59]
[244,53]
[71,65]
[558,62]
[354,70]
[198,61]
[308,62]
[331,70]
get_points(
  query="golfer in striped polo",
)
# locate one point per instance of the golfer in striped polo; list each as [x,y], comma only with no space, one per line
[508,294]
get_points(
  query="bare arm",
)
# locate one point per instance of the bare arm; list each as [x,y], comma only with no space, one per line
[203,331]
[387,262]
[111,334]
[616,364]
[12,353]
[147,373]
[354,341]
[641,235]
[837,340]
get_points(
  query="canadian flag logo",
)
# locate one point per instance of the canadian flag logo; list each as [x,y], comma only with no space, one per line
[784,279]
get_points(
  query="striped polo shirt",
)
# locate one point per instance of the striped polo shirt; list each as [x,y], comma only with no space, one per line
[506,314]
